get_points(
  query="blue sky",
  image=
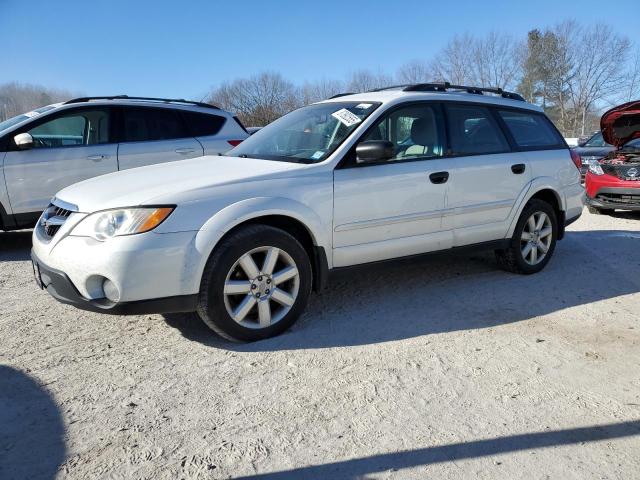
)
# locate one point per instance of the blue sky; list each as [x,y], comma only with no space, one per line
[182,48]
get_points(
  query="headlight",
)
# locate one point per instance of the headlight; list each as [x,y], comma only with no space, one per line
[596,168]
[117,222]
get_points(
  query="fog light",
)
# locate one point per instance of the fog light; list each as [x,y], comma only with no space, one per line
[111,291]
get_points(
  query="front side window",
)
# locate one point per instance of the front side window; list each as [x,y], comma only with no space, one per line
[531,129]
[473,131]
[415,131]
[309,134]
[142,124]
[86,127]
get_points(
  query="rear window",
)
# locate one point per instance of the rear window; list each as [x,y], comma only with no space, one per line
[143,124]
[473,131]
[531,129]
[203,124]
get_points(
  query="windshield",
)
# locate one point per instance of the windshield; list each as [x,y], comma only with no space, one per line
[309,134]
[10,122]
[596,141]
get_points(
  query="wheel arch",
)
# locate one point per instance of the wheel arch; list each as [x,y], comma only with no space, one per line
[288,215]
[545,189]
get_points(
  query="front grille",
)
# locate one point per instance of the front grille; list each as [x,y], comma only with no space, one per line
[619,198]
[53,218]
[625,171]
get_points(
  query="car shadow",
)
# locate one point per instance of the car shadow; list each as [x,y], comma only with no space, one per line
[31,428]
[444,293]
[15,246]
[360,468]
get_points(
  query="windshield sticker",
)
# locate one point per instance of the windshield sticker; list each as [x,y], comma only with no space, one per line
[317,155]
[346,117]
[364,106]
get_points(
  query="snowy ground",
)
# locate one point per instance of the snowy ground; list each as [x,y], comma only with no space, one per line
[447,368]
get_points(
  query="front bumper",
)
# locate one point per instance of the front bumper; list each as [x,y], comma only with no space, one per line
[616,198]
[60,287]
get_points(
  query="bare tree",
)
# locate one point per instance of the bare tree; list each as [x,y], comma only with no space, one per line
[455,62]
[365,80]
[17,98]
[491,61]
[599,56]
[257,100]
[320,90]
[415,71]
[631,89]
[497,60]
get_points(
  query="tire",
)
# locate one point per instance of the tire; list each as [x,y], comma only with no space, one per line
[239,281]
[599,211]
[513,259]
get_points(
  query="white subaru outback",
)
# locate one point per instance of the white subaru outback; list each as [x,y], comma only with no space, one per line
[361,178]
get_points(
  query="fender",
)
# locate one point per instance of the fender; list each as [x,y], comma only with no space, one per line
[233,215]
[533,187]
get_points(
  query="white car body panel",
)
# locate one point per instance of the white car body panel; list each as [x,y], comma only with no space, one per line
[34,176]
[140,154]
[357,215]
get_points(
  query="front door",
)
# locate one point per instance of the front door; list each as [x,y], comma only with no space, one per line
[394,208]
[67,147]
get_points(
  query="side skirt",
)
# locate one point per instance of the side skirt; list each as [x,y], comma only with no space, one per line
[476,247]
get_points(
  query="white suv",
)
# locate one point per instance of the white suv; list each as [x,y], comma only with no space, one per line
[58,145]
[242,239]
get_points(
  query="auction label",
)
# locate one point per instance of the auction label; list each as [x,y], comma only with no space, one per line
[346,117]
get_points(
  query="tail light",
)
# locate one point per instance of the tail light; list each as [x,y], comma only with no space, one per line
[234,143]
[576,159]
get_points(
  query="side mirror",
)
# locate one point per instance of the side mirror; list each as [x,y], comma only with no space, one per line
[373,151]
[24,141]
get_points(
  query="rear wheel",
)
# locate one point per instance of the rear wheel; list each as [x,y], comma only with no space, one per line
[255,285]
[533,241]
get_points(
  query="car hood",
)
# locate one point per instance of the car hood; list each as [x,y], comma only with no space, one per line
[163,183]
[621,124]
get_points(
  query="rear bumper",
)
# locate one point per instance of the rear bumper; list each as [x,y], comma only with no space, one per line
[60,287]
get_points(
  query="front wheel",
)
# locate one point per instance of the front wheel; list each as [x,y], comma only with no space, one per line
[255,285]
[533,241]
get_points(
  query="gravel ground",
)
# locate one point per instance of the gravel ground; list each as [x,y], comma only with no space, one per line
[446,368]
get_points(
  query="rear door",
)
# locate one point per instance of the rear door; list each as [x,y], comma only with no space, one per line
[69,146]
[487,176]
[154,135]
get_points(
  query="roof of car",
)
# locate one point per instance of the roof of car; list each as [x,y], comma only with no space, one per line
[147,101]
[402,94]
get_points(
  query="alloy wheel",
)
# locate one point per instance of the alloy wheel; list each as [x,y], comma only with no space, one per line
[536,238]
[261,287]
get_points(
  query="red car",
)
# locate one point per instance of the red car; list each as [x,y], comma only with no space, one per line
[614,181]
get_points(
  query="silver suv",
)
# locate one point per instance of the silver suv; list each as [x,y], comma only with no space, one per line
[58,145]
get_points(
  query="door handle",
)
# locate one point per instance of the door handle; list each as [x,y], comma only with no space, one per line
[518,168]
[185,151]
[439,177]
[97,158]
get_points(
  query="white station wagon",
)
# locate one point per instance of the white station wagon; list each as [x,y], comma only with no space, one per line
[243,239]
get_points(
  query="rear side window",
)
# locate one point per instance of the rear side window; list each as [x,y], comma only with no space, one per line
[531,129]
[473,131]
[203,124]
[144,124]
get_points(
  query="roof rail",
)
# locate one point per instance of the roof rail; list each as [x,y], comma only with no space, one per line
[338,95]
[444,86]
[148,99]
